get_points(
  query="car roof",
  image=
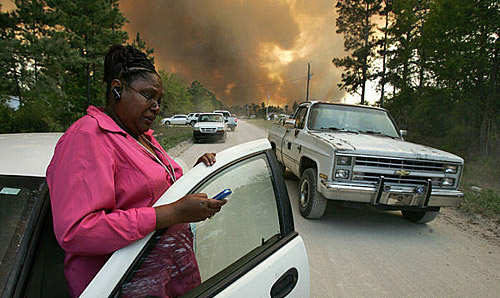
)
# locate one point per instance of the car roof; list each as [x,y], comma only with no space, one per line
[26,154]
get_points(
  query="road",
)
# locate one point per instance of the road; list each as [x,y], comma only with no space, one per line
[361,252]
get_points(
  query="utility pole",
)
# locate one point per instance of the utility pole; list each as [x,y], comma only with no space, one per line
[267,108]
[308,79]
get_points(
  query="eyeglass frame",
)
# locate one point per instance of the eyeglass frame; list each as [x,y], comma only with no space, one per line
[146,96]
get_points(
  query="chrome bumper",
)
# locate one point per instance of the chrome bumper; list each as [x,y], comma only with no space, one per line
[391,195]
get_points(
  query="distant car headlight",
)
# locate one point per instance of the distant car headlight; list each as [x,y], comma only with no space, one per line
[342,174]
[451,169]
[448,182]
[343,160]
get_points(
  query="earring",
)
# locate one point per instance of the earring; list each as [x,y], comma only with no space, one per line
[116,93]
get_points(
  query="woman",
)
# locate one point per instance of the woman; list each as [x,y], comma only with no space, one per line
[108,170]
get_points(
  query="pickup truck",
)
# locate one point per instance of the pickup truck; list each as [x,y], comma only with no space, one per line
[355,153]
[230,120]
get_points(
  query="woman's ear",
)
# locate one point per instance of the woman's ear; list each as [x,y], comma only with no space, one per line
[116,89]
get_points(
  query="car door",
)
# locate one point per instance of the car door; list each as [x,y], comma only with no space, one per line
[248,249]
[289,148]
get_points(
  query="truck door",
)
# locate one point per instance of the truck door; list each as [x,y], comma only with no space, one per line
[289,148]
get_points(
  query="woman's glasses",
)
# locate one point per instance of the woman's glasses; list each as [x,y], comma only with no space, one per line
[148,97]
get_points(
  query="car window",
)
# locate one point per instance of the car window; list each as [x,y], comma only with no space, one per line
[248,222]
[18,200]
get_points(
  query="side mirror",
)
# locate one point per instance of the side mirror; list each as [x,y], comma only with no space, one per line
[290,123]
[403,132]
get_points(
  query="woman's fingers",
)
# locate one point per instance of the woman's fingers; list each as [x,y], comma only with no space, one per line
[208,159]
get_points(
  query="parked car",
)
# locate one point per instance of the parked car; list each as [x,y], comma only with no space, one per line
[179,119]
[231,121]
[210,126]
[357,154]
[249,249]
[193,118]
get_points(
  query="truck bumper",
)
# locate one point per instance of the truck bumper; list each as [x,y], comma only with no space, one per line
[389,195]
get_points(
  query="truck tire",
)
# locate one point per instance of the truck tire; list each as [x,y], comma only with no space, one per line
[233,128]
[192,123]
[311,203]
[167,122]
[420,217]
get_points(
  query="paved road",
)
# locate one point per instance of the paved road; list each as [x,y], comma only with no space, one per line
[366,253]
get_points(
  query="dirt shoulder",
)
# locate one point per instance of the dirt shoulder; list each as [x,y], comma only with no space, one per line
[473,224]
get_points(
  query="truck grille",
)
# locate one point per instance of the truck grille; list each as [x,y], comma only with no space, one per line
[208,129]
[370,169]
[410,165]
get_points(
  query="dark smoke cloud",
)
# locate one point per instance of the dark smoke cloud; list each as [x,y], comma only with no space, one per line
[244,49]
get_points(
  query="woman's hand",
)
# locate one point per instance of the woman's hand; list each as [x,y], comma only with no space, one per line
[208,159]
[191,208]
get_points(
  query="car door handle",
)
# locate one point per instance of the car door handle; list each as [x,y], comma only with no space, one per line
[299,148]
[285,284]
[289,146]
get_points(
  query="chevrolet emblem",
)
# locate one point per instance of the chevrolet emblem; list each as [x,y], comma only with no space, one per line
[402,173]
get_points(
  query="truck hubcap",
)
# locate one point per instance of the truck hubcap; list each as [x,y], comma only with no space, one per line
[304,193]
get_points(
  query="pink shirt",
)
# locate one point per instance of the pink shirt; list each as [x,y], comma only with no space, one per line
[102,185]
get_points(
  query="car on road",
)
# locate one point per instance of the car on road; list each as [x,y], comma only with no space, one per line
[356,154]
[179,119]
[249,249]
[210,126]
[192,118]
[231,120]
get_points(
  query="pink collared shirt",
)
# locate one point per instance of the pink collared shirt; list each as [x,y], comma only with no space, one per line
[102,185]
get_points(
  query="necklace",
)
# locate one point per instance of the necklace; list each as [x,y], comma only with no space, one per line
[171,173]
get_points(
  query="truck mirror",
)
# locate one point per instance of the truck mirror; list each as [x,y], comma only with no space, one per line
[403,132]
[290,123]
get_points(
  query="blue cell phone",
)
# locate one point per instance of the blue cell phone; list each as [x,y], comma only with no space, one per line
[223,194]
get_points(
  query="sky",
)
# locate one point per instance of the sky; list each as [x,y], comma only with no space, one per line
[244,50]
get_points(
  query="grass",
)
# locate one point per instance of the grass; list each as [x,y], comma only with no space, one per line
[171,136]
[484,173]
[266,125]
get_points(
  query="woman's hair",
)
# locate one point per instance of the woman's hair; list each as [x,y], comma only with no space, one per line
[125,63]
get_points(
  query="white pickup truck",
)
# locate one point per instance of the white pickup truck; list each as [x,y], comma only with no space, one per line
[231,121]
[357,154]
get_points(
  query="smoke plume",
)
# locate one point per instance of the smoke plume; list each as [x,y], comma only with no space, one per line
[244,50]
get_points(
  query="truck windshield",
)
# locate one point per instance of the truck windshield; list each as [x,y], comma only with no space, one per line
[351,118]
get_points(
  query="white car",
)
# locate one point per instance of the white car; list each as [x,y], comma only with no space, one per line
[210,126]
[179,119]
[249,249]
[193,118]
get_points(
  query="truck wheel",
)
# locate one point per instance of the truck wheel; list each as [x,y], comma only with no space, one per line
[420,217]
[195,140]
[192,123]
[167,122]
[311,203]
[233,128]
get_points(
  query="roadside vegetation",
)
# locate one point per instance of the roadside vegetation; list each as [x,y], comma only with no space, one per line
[171,136]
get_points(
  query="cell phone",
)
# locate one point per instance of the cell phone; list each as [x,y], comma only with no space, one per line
[223,194]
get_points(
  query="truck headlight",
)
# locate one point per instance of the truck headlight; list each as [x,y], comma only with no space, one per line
[343,160]
[451,169]
[342,174]
[220,128]
[448,182]
[196,128]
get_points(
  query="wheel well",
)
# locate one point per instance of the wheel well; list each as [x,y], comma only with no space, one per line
[273,146]
[306,163]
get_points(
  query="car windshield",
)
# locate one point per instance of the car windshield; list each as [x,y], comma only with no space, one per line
[351,118]
[18,197]
[211,118]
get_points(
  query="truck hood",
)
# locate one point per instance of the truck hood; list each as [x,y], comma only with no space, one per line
[365,144]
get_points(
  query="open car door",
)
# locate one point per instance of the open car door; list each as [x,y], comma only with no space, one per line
[249,249]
